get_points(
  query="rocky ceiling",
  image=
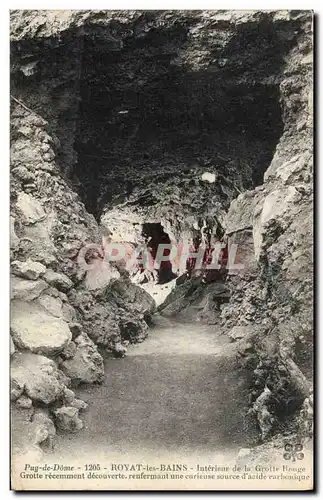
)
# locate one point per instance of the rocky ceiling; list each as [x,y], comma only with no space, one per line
[157,102]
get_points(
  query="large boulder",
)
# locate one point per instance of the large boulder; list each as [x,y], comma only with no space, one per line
[29,270]
[85,364]
[36,241]
[25,289]
[58,280]
[33,328]
[43,429]
[30,208]
[53,305]
[38,376]
[135,297]
[101,274]
[99,319]
[66,419]
[107,317]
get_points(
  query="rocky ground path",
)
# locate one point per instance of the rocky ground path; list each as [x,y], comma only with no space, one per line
[179,393]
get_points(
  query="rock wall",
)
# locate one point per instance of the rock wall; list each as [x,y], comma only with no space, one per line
[57,320]
[275,292]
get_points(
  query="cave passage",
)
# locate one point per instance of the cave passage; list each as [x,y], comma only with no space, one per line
[135,108]
[154,235]
[179,393]
[141,115]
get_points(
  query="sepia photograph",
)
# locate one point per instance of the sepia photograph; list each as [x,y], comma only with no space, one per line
[161,250]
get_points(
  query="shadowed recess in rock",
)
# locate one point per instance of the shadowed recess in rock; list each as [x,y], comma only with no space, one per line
[140,109]
[142,101]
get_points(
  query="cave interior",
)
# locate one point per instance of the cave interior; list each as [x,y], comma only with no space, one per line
[140,113]
[131,114]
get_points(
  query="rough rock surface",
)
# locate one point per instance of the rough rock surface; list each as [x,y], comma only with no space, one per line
[37,376]
[29,208]
[117,312]
[66,419]
[44,430]
[49,225]
[206,129]
[58,280]
[24,402]
[239,332]
[193,298]
[276,287]
[33,328]
[25,289]
[53,305]
[84,364]
[29,269]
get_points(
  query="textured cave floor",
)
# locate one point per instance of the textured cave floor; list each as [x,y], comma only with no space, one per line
[180,393]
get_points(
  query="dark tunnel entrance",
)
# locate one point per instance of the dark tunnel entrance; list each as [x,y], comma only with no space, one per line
[131,107]
[154,235]
[139,112]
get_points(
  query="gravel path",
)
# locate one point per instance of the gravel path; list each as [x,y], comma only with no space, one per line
[179,393]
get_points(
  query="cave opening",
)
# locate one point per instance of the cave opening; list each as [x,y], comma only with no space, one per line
[140,113]
[129,110]
[155,235]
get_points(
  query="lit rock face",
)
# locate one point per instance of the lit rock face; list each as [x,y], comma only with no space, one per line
[30,208]
[37,376]
[66,419]
[53,305]
[29,269]
[33,328]
[25,289]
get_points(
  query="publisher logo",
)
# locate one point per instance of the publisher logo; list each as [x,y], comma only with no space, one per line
[293,452]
